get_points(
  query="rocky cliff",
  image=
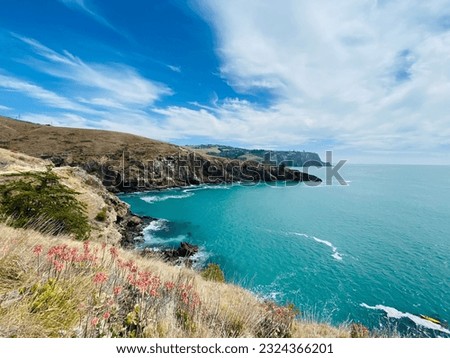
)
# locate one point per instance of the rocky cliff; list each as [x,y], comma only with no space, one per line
[127,163]
[291,158]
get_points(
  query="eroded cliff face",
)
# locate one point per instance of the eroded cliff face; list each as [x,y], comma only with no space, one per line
[124,173]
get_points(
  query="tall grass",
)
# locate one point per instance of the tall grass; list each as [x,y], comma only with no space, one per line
[55,287]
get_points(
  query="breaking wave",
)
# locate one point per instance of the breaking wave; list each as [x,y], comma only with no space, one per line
[336,254]
[419,321]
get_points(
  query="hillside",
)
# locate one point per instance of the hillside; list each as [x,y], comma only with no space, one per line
[290,158]
[126,162]
[118,226]
[55,286]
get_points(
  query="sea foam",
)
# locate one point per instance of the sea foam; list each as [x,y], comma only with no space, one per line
[206,187]
[336,254]
[155,198]
[394,313]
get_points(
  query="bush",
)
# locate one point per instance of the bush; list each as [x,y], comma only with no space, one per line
[38,200]
[357,330]
[213,273]
[101,216]
[278,321]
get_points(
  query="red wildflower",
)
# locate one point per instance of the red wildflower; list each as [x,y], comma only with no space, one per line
[100,277]
[132,267]
[169,285]
[94,321]
[117,290]
[58,265]
[114,252]
[106,315]
[37,249]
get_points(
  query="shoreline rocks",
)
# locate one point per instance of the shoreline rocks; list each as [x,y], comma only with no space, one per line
[131,227]
[181,255]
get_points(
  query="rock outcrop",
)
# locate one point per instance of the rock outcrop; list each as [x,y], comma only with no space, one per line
[181,255]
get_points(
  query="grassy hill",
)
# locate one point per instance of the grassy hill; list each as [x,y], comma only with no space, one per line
[44,140]
[126,162]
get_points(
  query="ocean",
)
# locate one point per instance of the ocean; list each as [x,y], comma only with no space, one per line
[376,251]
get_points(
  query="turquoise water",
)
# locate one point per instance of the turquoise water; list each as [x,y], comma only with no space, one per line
[376,251]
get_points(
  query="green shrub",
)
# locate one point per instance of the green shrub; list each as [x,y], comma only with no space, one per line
[101,215]
[213,273]
[38,200]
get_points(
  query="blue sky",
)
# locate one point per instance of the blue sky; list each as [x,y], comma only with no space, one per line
[367,79]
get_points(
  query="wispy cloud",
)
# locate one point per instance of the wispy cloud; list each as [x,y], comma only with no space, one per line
[174,68]
[114,85]
[5,108]
[45,96]
[82,5]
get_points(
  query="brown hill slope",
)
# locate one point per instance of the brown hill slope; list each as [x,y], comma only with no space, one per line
[116,226]
[41,140]
[126,162]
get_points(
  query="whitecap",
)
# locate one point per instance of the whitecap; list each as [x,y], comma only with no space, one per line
[207,187]
[156,225]
[301,234]
[200,258]
[336,255]
[150,239]
[155,198]
[419,321]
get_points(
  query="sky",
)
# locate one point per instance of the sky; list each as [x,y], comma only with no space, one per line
[367,79]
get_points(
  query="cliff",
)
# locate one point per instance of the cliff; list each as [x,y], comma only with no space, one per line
[289,158]
[127,163]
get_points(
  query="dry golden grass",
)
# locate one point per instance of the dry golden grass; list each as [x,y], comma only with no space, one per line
[56,287]
[36,140]
[90,191]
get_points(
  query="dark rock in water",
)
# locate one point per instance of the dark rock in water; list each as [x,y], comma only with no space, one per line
[180,255]
[131,228]
[187,250]
[134,221]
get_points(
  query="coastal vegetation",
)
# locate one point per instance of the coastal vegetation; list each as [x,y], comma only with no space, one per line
[57,287]
[39,200]
[213,273]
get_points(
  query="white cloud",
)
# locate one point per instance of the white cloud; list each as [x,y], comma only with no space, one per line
[60,119]
[5,108]
[106,84]
[33,91]
[82,6]
[174,68]
[361,74]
